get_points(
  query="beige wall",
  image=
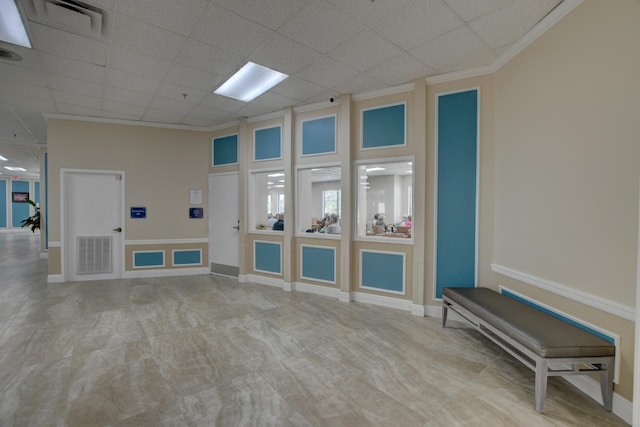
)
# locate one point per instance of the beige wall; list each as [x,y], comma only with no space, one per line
[567,157]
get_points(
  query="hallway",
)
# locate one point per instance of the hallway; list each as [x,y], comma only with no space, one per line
[206,350]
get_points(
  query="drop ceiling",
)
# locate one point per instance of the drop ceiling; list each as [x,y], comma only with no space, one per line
[159,60]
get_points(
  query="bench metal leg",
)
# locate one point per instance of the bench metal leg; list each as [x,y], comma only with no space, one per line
[541,383]
[445,310]
[606,384]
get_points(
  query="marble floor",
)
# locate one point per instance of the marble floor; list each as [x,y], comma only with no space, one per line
[209,351]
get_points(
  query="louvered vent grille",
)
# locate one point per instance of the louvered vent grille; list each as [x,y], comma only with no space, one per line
[94,254]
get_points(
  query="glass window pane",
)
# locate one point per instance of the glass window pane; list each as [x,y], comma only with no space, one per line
[385,199]
[319,200]
[267,200]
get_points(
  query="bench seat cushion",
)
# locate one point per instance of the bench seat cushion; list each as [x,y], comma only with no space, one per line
[541,333]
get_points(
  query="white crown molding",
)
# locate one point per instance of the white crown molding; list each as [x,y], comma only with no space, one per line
[316,106]
[166,241]
[229,125]
[608,306]
[265,117]
[48,116]
[385,91]
[555,16]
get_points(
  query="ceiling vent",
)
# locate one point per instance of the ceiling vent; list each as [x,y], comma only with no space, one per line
[70,15]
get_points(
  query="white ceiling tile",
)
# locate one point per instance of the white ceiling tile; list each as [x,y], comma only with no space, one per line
[161,116]
[169,105]
[508,24]
[426,19]
[29,60]
[222,103]
[204,115]
[122,108]
[123,80]
[77,110]
[296,88]
[138,63]
[450,49]
[209,58]
[285,55]
[252,110]
[8,87]
[470,10]
[177,93]
[127,96]
[483,57]
[365,51]
[272,14]
[321,26]
[75,99]
[25,104]
[74,86]
[77,70]
[145,38]
[193,78]
[368,11]
[14,132]
[224,29]
[327,72]
[179,16]
[275,101]
[21,75]
[402,69]
[359,84]
[69,45]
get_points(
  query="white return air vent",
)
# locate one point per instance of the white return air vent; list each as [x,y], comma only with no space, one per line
[70,15]
[94,254]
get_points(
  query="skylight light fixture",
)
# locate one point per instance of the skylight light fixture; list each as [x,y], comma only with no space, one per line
[249,82]
[15,169]
[12,28]
[3,158]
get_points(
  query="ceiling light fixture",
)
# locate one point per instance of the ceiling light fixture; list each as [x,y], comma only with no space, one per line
[3,158]
[374,169]
[12,28]
[249,82]
[15,169]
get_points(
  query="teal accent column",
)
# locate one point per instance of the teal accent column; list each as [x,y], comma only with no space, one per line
[3,203]
[36,192]
[457,174]
[19,211]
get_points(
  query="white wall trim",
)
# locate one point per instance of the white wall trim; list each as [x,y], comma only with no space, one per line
[417,310]
[316,106]
[48,116]
[263,280]
[163,241]
[166,272]
[265,117]
[55,244]
[397,303]
[345,297]
[383,92]
[317,290]
[608,306]
[621,406]
[55,278]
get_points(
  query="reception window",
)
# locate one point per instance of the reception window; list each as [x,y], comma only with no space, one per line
[384,207]
[267,201]
[320,200]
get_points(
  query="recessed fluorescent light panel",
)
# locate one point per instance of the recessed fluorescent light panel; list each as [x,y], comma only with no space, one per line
[15,169]
[12,29]
[3,158]
[249,82]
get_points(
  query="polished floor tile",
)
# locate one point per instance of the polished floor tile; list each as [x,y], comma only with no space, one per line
[209,351]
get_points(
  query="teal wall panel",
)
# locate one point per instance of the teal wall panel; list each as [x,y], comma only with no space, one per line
[3,203]
[457,174]
[383,271]
[268,143]
[187,257]
[225,150]
[268,257]
[318,263]
[319,136]
[148,259]
[19,211]
[383,127]
[36,192]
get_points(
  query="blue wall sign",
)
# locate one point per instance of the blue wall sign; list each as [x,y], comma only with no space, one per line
[138,212]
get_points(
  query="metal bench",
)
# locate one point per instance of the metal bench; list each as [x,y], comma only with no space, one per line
[543,343]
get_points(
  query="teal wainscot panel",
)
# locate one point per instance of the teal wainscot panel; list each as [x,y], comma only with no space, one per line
[225,150]
[19,210]
[187,256]
[382,271]
[148,259]
[267,257]
[318,263]
[319,136]
[457,175]
[267,143]
[383,127]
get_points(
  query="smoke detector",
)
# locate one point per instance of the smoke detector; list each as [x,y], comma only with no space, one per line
[69,15]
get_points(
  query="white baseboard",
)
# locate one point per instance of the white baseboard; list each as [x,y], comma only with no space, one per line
[44,255]
[317,290]
[55,278]
[621,406]
[264,280]
[417,310]
[396,303]
[345,297]
[166,272]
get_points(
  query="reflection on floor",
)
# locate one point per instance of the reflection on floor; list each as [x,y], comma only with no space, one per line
[205,350]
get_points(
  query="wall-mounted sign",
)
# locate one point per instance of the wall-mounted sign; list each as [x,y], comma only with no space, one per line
[196,213]
[138,212]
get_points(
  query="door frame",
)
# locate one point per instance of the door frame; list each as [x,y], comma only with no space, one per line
[64,174]
[240,223]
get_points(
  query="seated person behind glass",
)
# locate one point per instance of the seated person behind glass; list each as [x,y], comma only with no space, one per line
[333,226]
[272,219]
[279,224]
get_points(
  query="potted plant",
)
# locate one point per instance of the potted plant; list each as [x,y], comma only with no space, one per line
[32,221]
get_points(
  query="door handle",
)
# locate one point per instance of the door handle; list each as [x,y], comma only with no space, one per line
[237,227]
[119,229]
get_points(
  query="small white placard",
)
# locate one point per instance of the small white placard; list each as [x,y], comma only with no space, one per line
[195,197]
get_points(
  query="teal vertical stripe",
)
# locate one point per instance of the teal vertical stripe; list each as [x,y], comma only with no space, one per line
[319,263]
[268,257]
[3,203]
[225,150]
[457,168]
[187,257]
[382,271]
[36,192]
[268,143]
[19,211]
[148,259]
[595,332]
[319,136]
[382,127]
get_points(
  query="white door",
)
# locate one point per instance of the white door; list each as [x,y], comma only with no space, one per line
[93,224]
[224,224]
